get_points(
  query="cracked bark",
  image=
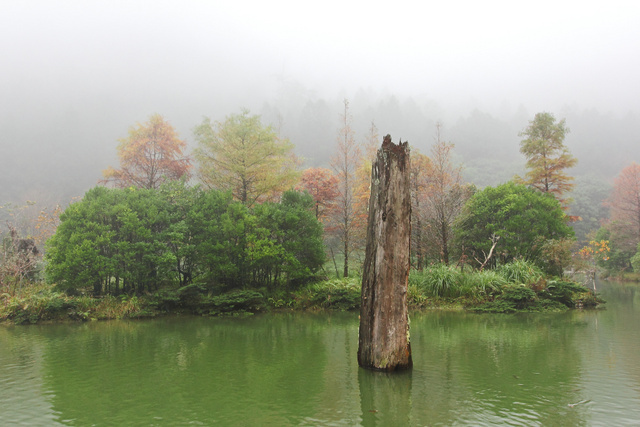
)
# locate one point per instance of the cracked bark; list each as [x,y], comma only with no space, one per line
[384,319]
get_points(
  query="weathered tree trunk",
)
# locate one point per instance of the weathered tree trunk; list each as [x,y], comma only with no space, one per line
[384,319]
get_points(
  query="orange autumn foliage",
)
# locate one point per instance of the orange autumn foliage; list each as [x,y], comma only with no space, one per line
[150,155]
[625,207]
[322,184]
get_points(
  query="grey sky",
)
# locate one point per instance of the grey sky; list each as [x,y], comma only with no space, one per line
[543,54]
[76,74]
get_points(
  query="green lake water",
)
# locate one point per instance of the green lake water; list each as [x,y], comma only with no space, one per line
[575,368]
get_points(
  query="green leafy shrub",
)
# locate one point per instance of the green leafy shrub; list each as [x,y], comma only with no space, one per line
[588,300]
[276,302]
[520,296]
[165,300]
[513,298]
[200,299]
[524,219]
[571,294]
[132,240]
[550,305]
[339,294]
[191,295]
[563,292]
[237,301]
[558,296]
[85,308]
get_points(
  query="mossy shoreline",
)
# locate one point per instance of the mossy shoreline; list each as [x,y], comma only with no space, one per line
[441,287]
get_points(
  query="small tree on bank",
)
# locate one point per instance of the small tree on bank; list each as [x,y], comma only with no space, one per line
[344,162]
[421,169]
[442,194]
[511,221]
[447,195]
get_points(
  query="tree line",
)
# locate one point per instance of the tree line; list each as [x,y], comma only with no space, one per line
[245,172]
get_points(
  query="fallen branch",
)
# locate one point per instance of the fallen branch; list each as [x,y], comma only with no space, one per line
[494,241]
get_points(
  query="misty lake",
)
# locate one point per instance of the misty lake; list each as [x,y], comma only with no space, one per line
[575,368]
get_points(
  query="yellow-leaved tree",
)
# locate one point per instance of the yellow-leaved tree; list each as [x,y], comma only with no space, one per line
[245,157]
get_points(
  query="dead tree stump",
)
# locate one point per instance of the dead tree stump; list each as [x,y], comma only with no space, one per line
[384,318]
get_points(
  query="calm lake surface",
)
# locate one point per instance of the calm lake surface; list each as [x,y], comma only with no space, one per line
[576,368]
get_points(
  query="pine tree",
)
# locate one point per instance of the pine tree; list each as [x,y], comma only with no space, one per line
[547,156]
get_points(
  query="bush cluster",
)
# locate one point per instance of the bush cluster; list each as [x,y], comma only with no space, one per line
[198,299]
[137,241]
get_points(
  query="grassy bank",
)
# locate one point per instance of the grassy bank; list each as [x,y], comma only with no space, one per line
[518,286]
[40,302]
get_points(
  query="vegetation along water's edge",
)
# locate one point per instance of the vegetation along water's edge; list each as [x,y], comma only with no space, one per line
[516,287]
[237,229]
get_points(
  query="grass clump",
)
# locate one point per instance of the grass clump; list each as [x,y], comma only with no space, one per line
[336,294]
[520,271]
[442,281]
[439,281]
[41,302]
[482,285]
[517,286]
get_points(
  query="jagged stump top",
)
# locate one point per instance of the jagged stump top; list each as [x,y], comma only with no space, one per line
[399,150]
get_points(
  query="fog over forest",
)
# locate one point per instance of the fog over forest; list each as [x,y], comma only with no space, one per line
[76,75]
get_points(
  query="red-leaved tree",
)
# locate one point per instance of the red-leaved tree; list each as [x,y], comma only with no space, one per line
[625,208]
[322,184]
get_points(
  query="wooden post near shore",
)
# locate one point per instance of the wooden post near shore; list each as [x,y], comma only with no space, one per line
[384,319]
